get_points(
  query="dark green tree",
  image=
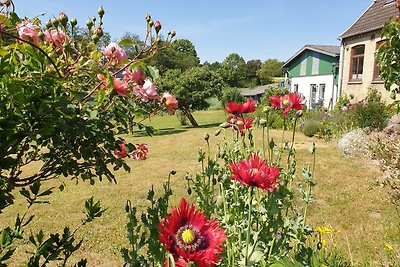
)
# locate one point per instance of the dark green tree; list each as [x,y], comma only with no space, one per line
[234,70]
[192,88]
[269,69]
[252,66]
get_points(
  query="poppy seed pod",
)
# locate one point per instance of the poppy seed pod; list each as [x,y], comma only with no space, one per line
[299,113]
[263,122]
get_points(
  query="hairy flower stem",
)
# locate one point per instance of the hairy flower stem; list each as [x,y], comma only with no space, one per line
[249,225]
[269,149]
[283,131]
[270,248]
[292,144]
[228,244]
[263,141]
[309,186]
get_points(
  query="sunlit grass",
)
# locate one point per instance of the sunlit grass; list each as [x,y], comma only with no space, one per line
[346,198]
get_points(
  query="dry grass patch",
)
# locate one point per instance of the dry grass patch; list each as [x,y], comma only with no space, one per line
[346,198]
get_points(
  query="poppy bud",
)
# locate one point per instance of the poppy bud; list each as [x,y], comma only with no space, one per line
[224,125]
[266,109]
[239,123]
[172,172]
[299,113]
[101,12]
[73,22]
[189,191]
[263,122]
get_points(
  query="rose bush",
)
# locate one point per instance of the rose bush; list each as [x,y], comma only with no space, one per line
[63,103]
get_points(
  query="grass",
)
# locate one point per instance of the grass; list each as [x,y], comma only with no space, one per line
[346,197]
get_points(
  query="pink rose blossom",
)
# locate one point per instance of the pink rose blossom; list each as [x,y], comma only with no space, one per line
[120,87]
[57,37]
[28,31]
[122,152]
[137,76]
[147,91]
[141,151]
[170,103]
[115,53]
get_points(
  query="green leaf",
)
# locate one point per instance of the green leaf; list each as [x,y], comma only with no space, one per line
[154,72]
[286,262]
[126,42]
[102,96]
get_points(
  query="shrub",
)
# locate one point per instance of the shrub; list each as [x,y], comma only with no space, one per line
[231,95]
[311,127]
[386,150]
[372,112]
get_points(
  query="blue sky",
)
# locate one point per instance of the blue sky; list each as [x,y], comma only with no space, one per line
[259,29]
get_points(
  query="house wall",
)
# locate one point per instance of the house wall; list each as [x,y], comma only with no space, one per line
[359,89]
[304,88]
[324,68]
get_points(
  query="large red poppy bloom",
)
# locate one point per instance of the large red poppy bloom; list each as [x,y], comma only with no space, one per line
[287,102]
[240,108]
[189,236]
[255,172]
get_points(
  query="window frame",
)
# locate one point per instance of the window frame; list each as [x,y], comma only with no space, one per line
[357,57]
[376,77]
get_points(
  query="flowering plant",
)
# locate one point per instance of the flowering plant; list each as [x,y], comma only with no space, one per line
[64,100]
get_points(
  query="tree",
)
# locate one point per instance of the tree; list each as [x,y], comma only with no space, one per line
[388,55]
[134,41]
[181,54]
[192,88]
[234,70]
[252,66]
[269,69]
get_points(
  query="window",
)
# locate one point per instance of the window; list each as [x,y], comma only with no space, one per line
[376,70]
[321,92]
[295,88]
[313,95]
[315,63]
[303,66]
[357,63]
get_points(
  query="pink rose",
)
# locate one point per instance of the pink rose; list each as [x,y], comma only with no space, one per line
[170,103]
[147,91]
[115,53]
[137,76]
[120,87]
[28,31]
[122,152]
[57,37]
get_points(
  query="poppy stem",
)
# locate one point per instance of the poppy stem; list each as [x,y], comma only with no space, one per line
[249,225]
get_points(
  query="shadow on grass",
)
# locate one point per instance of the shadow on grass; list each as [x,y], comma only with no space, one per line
[205,126]
[165,131]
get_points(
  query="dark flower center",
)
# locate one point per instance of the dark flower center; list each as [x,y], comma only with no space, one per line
[188,238]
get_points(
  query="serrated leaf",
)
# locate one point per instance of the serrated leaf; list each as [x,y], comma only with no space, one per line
[102,96]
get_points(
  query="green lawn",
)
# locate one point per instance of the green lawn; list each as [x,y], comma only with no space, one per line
[346,197]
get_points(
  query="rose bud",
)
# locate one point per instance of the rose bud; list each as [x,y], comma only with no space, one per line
[157,26]
[101,12]
[73,22]
[63,19]
[55,22]
[89,23]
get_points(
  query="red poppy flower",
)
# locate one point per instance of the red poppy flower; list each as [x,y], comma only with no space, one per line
[141,152]
[122,152]
[287,102]
[255,172]
[189,236]
[239,108]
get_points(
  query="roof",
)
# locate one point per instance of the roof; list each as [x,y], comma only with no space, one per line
[330,50]
[372,19]
[257,90]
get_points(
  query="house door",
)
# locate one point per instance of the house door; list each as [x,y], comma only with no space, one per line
[313,95]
